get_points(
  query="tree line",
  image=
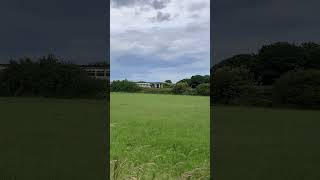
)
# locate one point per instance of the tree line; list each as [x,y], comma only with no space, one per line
[196,85]
[280,75]
[49,76]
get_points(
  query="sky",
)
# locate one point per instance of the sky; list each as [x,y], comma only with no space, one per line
[72,29]
[152,40]
[158,40]
[243,26]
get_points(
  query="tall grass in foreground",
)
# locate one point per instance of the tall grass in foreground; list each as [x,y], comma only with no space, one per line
[266,144]
[159,137]
[46,138]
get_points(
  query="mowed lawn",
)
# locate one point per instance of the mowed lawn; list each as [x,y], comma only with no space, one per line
[52,139]
[159,136]
[266,144]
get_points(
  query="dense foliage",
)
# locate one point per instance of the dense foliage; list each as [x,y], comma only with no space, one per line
[180,88]
[299,89]
[124,86]
[48,77]
[196,85]
[203,89]
[280,74]
[230,84]
[156,90]
[274,60]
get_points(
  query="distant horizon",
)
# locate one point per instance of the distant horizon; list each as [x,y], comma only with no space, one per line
[156,80]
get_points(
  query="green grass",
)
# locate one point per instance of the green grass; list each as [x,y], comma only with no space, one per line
[159,136]
[266,144]
[52,139]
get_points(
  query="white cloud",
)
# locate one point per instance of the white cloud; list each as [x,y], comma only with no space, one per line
[181,31]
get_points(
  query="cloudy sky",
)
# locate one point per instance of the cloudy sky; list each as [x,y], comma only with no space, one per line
[156,40]
[152,40]
[73,29]
[243,26]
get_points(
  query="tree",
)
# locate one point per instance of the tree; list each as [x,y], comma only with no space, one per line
[198,79]
[124,86]
[180,88]
[242,60]
[310,45]
[99,64]
[299,89]
[49,76]
[184,81]
[312,51]
[277,59]
[168,81]
[230,83]
[203,89]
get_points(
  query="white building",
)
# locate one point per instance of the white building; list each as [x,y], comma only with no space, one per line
[150,84]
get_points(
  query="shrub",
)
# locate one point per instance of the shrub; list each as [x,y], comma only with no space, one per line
[4,90]
[203,89]
[197,80]
[256,96]
[124,86]
[180,88]
[230,83]
[48,77]
[167,85]
[190,91]
[298,89]
[157,90]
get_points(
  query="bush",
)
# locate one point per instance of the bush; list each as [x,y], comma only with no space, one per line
[124,86]
[190,91]
[203,89]
[157,90]
[180,88]
[4,89]
[167,85]
[48,77]
[198,79]
[298,89]
[230,83]
[256,96]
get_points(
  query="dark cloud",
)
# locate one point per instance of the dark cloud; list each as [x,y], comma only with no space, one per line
[243,26]
[197,6]
[120,3]
[74,29]
[160,4]
[160,17]
[156,4]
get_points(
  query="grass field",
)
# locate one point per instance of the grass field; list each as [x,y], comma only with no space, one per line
[266,144]
[155,136]
[52,139]
[159,136]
